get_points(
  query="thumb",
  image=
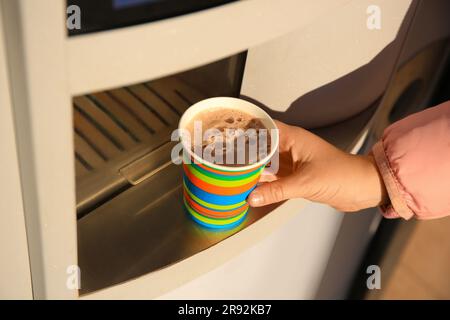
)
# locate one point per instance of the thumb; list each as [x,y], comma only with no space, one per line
[272,192]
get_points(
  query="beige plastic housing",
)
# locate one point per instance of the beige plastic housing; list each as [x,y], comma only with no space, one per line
[322,40]
[15,277]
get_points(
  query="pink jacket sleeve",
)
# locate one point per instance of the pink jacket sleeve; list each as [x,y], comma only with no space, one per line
[414,160]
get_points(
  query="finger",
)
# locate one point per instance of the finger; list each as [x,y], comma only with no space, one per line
[267,177]
[288,136]
[275,191]
[297,138]
[283,134]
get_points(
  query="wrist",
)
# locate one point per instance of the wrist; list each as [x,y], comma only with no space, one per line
[376,188]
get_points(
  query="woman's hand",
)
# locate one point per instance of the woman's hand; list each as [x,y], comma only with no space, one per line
[313,169]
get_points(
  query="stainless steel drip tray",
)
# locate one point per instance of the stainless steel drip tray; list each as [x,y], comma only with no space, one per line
[141,230]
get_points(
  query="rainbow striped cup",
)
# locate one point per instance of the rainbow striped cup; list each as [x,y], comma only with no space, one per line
[215,195]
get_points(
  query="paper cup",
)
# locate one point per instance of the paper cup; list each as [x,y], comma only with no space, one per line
[215,195]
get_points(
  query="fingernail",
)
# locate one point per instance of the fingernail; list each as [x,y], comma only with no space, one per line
[256,199]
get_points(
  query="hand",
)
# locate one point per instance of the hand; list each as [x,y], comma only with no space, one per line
[313,169]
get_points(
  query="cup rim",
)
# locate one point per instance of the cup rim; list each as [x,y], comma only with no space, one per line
[215,102]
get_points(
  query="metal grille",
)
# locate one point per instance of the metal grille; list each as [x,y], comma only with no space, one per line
[114,127]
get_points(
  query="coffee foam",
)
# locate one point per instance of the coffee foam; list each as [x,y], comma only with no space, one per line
[233,125]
